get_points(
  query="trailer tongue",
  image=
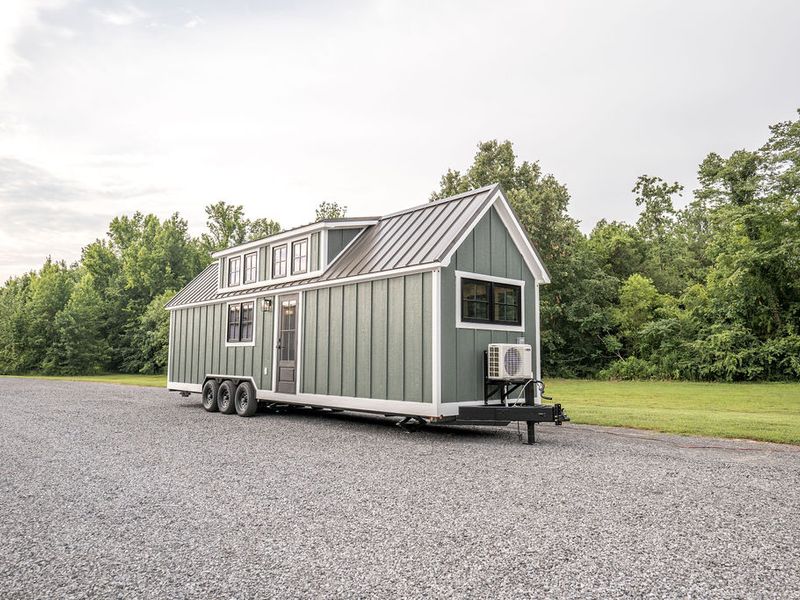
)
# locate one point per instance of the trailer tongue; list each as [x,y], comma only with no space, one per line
[501,416]
[497,382]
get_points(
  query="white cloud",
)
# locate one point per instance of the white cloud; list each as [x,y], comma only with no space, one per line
[122,16]
[368,104]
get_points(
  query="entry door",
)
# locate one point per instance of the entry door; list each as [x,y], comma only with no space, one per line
[287,345]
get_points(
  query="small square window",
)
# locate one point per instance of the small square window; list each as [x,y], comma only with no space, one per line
[279,261]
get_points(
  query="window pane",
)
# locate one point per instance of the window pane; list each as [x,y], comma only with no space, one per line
[279,261]
[506,303]
[475,290]
[234,270]
[233,323]
[247,323]
[474,300]
[250,267]
[476,310]
[299,256]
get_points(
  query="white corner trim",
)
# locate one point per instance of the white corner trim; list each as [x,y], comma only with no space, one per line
[299,330]
[537,399]
[436,337]
[255,323]
[170,347]
[494,279]
[274,354]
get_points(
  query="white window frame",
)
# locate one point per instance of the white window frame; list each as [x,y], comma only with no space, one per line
[239,272]
[255,322]
[244,267]
[307,241]
[493,279]
[290,277]
[272,250]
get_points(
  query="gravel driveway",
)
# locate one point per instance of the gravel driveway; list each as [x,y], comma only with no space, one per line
[114,491]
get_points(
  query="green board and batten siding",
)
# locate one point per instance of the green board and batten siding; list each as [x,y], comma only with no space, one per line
[198,346]
[370,339]
[488,250]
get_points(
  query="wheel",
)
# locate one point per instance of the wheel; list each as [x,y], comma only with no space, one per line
[225,396]
[245,401]
[210,389]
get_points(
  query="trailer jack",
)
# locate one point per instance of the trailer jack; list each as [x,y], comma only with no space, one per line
[411,424]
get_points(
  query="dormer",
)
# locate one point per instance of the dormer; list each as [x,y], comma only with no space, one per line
[291,255]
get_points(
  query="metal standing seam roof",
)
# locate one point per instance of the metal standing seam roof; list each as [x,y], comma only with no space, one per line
[416,236]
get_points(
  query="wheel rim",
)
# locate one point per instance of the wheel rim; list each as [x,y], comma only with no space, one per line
[207,398]
[223,398]
[243,400]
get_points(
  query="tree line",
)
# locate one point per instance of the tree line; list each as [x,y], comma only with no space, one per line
[709,291]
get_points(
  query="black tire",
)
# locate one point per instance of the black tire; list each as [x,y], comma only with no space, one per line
[225,396]
[210,389]
[245,400]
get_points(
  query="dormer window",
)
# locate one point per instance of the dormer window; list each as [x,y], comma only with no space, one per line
[299,256]
[279,261]
[234,270]
[250,267]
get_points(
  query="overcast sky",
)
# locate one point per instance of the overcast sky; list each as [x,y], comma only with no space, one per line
[111,107]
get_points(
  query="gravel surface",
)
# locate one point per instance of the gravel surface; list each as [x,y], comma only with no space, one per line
[115,491]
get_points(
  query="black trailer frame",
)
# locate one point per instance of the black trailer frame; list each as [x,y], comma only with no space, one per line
[501,415]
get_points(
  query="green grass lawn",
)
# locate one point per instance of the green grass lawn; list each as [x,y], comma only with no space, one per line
[757,411]
[119,378]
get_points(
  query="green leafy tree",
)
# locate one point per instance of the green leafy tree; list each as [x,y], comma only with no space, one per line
[261,228]
[80,345]
[330,210]
[226,225]
[151,335]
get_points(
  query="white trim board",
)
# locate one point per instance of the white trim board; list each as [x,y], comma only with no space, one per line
[436,337]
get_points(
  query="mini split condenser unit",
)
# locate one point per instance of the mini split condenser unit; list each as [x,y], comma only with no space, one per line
[510,361]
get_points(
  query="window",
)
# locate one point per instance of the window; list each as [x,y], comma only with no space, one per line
[300,256]
[240,322]
[250,267]
[490,302]
[234,270]
[279,261]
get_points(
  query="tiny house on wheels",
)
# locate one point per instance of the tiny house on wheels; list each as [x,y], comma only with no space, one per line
[430,313]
